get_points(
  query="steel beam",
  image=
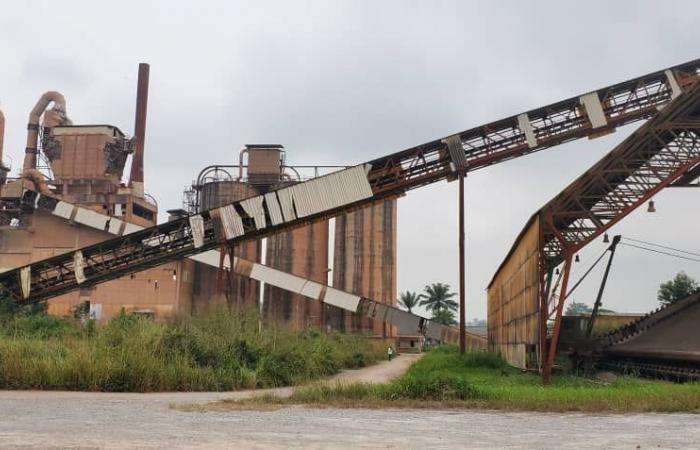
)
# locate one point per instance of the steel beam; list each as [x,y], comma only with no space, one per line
[496,142]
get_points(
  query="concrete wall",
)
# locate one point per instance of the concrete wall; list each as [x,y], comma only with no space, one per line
[153,289]
[302,252]
[365,260]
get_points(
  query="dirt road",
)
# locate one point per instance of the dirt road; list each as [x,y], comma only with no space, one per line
[378,373]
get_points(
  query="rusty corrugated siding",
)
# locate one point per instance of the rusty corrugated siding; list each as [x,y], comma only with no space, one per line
[513,307]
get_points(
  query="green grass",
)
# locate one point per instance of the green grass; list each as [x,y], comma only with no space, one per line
[444,378]
[216,351]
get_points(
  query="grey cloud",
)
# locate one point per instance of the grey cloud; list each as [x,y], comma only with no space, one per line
[343,82]
[48,70]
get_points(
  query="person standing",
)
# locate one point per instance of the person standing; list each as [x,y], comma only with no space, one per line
[390,352]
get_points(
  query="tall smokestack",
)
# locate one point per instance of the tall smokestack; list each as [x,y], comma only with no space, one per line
[136,175]
[3,169]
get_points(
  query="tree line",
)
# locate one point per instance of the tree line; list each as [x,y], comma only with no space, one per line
[677,288]
[437,298]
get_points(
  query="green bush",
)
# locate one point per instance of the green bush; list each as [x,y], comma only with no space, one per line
[40,326]
[436,386]
[215,351]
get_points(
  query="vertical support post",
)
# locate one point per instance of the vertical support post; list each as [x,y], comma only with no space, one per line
[552,352]
[462,322]
[545,288]
[220,274]
[229,280]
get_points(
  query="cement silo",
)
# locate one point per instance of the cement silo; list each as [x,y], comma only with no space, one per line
[245,292]
[303,251]
[365,261]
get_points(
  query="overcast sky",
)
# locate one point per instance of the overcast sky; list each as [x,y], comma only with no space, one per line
[345,82]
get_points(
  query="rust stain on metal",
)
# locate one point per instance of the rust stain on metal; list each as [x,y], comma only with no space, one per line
[513,309]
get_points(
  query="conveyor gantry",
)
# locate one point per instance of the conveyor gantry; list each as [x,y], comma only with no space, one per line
[589,115]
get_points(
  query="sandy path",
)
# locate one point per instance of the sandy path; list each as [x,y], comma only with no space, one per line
[377,373]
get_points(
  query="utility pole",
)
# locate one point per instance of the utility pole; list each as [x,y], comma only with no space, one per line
[599,298]
[462,321]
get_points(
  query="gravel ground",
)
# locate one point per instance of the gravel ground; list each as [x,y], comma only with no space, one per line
[40,419]
[129,423]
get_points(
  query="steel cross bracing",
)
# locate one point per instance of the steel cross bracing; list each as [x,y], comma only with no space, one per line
[535,130]
[655,156]
[589,115]
[658,154]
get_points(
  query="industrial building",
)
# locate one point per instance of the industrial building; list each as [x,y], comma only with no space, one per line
[83,164]
[86,164]
[528,291]
[363,258]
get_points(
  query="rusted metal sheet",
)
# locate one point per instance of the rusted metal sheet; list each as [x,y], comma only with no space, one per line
[330,191]
[274,208]
[254,208]
[513,302]
[197,227]
[91,218]
[64,210]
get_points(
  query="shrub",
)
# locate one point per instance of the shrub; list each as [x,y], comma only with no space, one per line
[435,386]
[39,326]
[217,350]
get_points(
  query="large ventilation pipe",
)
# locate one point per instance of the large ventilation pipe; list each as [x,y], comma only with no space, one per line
[53,117]
[3,168]
[136,175]
[244,151]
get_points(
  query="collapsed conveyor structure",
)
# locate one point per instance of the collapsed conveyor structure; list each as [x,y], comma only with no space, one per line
[664,343]
[589,115]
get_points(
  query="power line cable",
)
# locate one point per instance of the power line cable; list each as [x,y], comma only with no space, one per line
[660,246]
[661,252]
[580,280]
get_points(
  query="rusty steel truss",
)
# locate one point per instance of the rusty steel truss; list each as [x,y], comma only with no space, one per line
[663,151]
[589,115]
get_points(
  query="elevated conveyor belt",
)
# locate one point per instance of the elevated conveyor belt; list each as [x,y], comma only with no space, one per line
[407,323]
[588,115]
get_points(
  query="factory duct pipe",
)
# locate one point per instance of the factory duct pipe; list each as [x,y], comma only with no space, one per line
[53,117]
[38,178]
[136,175]
[244,151]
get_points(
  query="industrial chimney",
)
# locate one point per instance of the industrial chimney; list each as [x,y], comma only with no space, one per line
[136,175]
[3,169]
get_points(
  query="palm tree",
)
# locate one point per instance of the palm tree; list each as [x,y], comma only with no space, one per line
[445,317]
[409,300]
[437,297]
